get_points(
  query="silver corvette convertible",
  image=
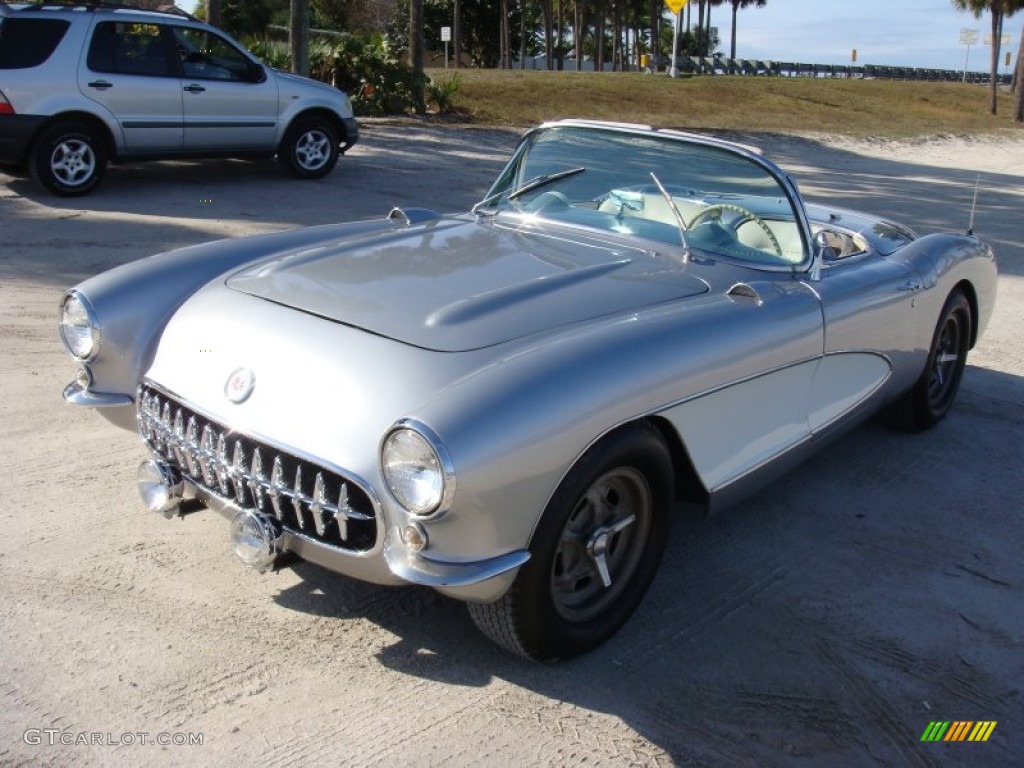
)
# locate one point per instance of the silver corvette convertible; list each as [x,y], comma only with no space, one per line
[507,405]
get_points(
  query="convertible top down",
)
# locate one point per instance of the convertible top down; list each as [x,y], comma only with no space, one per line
[505,404]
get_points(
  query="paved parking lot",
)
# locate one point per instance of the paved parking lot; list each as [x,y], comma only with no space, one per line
[826,621]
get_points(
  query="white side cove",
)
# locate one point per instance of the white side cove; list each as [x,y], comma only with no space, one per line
[841,383]
[731,431]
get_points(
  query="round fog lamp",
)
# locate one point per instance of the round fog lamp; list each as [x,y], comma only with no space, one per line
[160,487]
[83,378]
[414,537]
[255,540]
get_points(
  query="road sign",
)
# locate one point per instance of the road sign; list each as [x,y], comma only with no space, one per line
[968,36]
[446,34]
[1004,40]
[675,5]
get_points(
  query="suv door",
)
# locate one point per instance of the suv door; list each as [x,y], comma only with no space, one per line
[128,71]
[230,102]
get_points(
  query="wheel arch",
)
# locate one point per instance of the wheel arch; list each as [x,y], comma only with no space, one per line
[321,112]
[72,116]
[689,487]
[967,289]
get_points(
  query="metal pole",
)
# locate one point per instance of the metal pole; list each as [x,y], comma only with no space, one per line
[673,71]
[966,56]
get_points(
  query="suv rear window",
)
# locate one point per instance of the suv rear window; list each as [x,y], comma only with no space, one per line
[26,43]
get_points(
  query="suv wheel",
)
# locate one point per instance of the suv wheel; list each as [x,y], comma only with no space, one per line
[68,159]
[310,148]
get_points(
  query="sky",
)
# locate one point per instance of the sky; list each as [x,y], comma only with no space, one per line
[910,33]
[914,33]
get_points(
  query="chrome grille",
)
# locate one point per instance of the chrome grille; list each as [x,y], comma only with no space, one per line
[305,497]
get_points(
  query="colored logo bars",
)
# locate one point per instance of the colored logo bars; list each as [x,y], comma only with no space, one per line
[958,730]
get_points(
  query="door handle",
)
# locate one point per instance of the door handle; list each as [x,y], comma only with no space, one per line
[194,88]
[101,84]
[912,286]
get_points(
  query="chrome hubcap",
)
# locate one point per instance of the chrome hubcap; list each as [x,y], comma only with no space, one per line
[313,150]
[73,162]
[601,545]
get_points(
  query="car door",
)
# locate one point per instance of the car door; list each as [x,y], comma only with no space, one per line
[229,102]
[127,70]
[870,329]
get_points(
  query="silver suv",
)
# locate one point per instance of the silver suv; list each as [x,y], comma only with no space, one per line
[81,85]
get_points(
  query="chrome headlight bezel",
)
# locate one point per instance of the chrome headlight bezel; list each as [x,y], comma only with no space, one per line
[412,445]
[74,309]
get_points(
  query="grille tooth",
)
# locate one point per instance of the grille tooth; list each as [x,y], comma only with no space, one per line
[223,471]
[276,488]
[256,479]
[179,437]
[298,498]
[317,508]
[200,449]
[207,456]
[192,440]
[342,511]
[238,472]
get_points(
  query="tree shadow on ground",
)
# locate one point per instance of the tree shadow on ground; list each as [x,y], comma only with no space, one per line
[832,617]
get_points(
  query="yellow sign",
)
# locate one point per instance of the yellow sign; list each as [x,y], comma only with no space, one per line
[675,5]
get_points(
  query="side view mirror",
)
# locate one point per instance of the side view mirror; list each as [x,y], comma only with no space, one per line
[824,247]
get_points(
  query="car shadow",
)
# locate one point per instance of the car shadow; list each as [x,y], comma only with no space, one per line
[823,618]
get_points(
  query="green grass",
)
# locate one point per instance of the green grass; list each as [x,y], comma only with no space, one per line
[863,108]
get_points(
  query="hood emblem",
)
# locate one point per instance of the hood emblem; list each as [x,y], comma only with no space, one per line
[240,385]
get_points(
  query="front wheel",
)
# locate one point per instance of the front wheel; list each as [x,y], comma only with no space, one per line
[68,159]
[594,553]
[310,148]
[931,398]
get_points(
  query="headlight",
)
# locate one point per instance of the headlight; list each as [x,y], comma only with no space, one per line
[78,328]
[417,469]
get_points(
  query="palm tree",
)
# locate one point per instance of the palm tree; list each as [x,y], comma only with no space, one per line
[736,5]
[1018,85]
[999,9]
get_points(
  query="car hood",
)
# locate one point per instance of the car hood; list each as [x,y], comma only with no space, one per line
[458,284]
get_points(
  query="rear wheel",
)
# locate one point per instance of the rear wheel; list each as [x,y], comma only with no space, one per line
[68,159]
[593,554]
[932,396]
[310,148]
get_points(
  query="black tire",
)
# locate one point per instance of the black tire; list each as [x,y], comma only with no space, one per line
[309,149]
[928,402]
[558,605]
[68,159]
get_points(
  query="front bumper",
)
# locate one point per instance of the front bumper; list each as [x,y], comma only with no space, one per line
[351,133]
[324,514]
[482,581]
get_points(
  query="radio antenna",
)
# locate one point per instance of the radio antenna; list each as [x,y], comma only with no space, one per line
[974,205]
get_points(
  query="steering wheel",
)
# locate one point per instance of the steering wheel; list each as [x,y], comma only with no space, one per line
[716,211]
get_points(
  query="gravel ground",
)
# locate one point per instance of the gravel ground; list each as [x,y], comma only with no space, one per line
[825,622]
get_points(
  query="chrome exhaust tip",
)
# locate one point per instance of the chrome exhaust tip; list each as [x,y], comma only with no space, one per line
[256,540]
[161,487]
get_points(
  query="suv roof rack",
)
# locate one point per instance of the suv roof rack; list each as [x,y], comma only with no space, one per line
[106,5]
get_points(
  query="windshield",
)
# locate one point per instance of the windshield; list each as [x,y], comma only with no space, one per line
[730,205]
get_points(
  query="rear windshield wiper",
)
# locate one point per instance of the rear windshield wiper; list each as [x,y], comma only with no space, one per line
[530,185]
